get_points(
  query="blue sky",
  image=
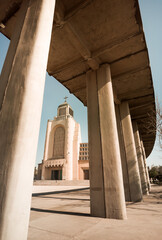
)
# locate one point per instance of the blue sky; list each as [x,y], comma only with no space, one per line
[151,11]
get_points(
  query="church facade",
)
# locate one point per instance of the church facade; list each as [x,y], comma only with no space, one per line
[63,152]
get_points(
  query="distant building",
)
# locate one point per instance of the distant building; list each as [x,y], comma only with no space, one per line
[83,161]
[65,157]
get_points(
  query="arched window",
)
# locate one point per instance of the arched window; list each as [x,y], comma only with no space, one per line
[59,142]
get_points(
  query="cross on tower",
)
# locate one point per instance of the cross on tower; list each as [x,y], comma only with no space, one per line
[65,98]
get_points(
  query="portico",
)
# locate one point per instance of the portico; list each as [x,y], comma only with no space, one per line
[97,50]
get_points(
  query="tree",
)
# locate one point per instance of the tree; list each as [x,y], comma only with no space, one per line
[159,123]
[160,170]
[153,172]
[154,123]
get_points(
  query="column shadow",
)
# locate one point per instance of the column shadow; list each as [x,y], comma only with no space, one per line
[57,192]
[50,194]
[60,212]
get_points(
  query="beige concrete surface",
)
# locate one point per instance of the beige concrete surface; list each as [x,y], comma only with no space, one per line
[131,155]
[21,96]
[123,154]
[104,153]
[65,216]
[141,166]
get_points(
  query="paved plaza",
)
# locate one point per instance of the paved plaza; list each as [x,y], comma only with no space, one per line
[63,213]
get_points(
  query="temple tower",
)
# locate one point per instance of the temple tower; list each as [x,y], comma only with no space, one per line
[61,151]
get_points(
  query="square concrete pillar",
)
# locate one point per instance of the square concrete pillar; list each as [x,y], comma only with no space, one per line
[21,95]
[140,158]
[123,155]
[106,181]
[131,155]
[145,165]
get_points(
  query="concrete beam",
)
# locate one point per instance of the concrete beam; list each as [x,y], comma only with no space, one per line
[80,45]
[62,16]
[60,68]
[133,94]
[115,43]
[66,66]
[73,11]
[151,103]
[74,35]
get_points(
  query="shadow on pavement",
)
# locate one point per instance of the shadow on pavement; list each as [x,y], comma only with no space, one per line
[64,198]
[61,191]
[60,212]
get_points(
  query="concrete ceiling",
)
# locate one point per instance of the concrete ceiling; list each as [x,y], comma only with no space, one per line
[88,33]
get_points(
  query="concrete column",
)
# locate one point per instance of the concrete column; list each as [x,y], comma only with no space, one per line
[132,163]
[123,155]
[145,165]
[140,158]
[21,97]
[106,183]
[46,149]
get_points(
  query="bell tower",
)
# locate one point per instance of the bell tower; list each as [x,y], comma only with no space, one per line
[64,109]
[61,152]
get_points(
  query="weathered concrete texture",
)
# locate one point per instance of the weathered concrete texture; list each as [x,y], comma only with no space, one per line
[145,165]
[140,158]
[106,183]
[65,216]
[95,153]
[22,78]
[85,36]
[123,155]
[131,155]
